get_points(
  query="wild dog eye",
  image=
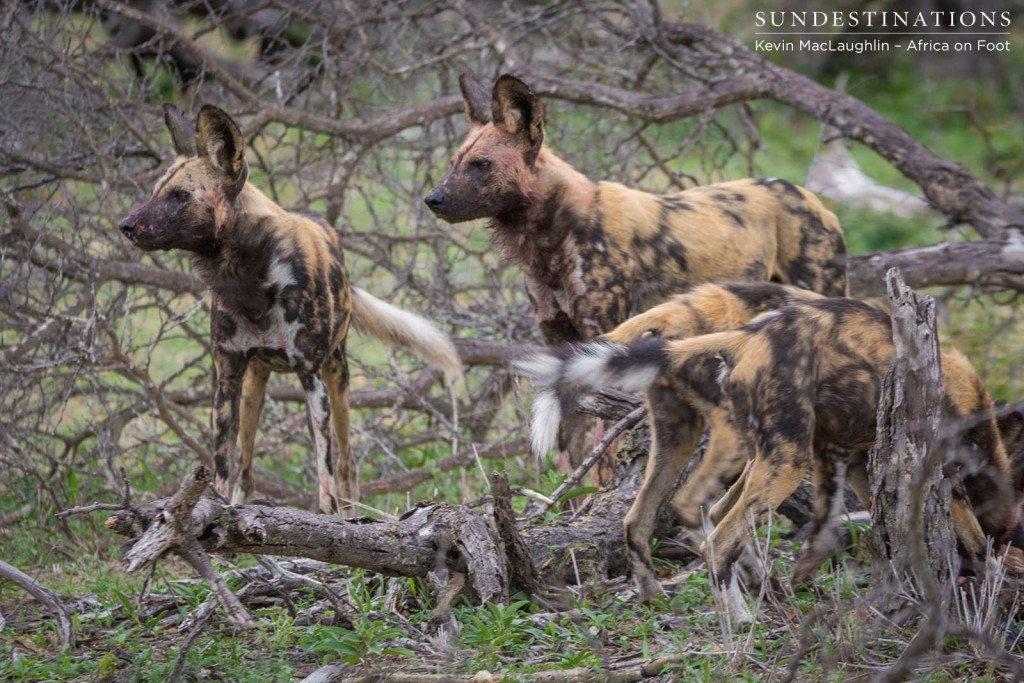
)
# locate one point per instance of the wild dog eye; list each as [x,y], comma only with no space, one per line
[480,164]
[180,195]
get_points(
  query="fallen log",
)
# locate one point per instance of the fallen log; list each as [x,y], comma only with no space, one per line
[452,546]
[426,539]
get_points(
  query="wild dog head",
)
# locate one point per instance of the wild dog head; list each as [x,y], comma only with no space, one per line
[192,201]
[1010,420]
[493,170]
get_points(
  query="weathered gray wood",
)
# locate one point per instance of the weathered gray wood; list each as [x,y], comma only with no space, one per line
[175,529]
[427,537]
[521,570]
[912,534]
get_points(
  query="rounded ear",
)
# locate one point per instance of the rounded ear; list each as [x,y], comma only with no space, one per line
[220,141]
[183,133]
[1011,429]
[476,99]
[517,111]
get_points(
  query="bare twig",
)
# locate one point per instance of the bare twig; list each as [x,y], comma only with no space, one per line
[623,425]
[65,632]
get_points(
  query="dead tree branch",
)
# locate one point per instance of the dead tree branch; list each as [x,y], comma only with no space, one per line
[193,524]
[65,631]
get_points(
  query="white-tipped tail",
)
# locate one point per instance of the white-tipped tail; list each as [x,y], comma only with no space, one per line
[588,367]
[605,364]
[396,327]
[545,371]
[547,415]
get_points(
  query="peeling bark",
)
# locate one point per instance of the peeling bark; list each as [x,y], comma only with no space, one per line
[912,529]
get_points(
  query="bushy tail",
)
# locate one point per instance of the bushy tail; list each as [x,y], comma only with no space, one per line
[396,327]
[577,369]
[560,379]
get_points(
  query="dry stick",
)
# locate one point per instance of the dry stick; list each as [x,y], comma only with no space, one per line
[192,553]
[186,645]
[190,550]
[621,426]
[520,565]
[43,595]
[86,509]
[287,575]
[620,673]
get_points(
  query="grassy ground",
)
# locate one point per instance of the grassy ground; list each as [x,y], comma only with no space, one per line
[128,626]
[823,632]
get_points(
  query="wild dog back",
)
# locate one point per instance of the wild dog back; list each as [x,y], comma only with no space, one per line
[593,252]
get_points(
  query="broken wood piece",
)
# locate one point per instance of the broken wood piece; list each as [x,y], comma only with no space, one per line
[194,525]
[521,570]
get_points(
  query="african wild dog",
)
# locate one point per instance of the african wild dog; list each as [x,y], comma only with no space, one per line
[282,299]
[683,415]
[794,386]
[593,253]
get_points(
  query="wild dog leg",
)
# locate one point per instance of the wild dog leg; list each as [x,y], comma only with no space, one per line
[771,478]
[230,368]
[254,387]
[572,442]
[829,477]
[857,477]
[319,410]
[675,433]
[970,537]
[337,379]
[723,462]
[732,496]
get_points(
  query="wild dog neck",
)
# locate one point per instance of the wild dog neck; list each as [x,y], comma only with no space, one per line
[558,201]
[237,270]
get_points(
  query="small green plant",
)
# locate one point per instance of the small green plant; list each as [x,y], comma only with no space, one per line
[369,638]
[497,629]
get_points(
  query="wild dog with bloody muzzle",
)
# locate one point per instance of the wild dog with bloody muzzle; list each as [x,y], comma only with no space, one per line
[593,253]
[795,386]
[282,300]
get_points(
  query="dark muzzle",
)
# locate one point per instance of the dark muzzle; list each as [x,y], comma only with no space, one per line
[435,200]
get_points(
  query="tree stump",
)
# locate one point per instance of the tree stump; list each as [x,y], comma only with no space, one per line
[912,538]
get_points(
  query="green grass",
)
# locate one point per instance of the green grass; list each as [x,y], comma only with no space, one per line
[390,627]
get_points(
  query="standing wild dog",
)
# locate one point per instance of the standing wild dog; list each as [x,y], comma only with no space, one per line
[282,300]
[678,417]
[794,386]
[593,253]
